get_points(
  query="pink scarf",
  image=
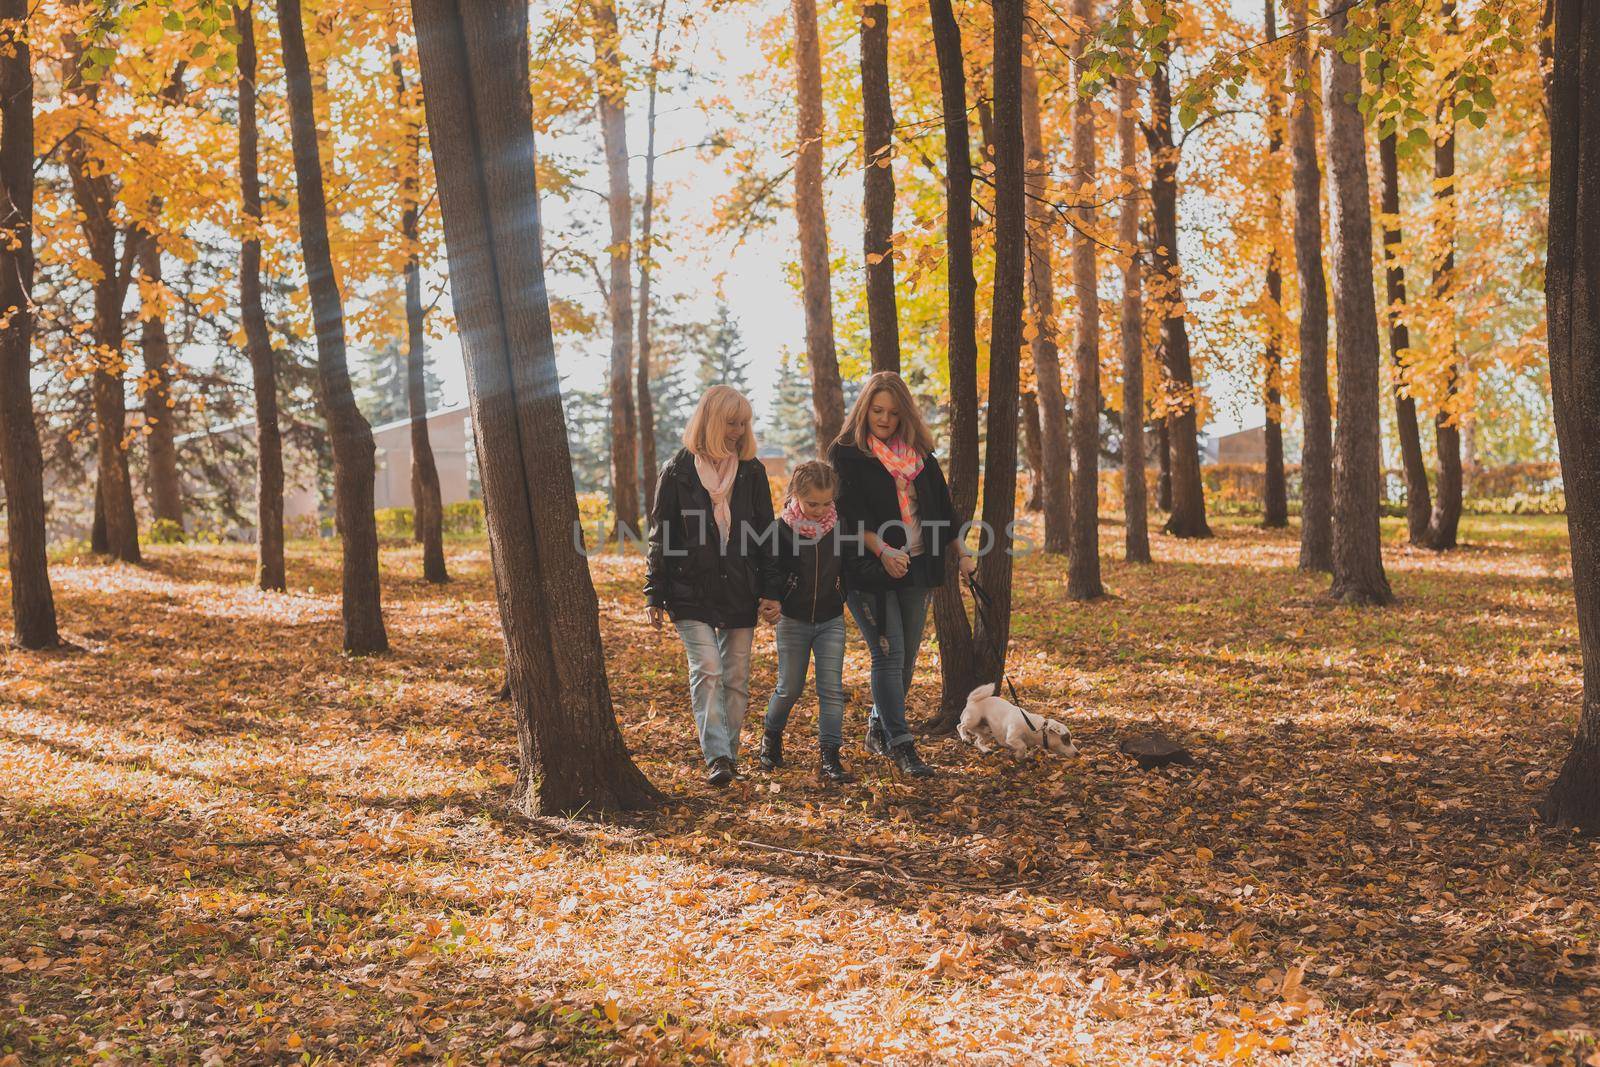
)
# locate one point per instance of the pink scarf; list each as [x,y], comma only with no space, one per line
[717,477]
[810,529]
[904,462]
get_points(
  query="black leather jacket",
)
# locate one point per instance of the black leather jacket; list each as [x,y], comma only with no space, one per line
[810,575]
[690,574]
[868,502]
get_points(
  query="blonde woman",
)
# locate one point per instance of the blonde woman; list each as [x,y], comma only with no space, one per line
[711,568]
[893,500]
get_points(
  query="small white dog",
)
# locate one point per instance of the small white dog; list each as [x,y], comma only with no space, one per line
[1005,723]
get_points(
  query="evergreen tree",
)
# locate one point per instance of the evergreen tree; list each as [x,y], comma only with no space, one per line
[789,424]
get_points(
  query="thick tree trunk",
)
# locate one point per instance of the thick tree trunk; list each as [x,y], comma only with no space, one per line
[475,80]
[1163,467]
[1011,250]
[878,195]
[427,508]
[1572,303]
[619,294]
[1083,561]
[1316,407]
[1358,576]
[33,609]
[1053,466]
[1405,407]
[646,398]
[348,431]
[1187,517]
[161,454]
[1033,451]
[1135,508]
[1445,520]
[957,654]
[1275,488]
[827,393]
[258,341]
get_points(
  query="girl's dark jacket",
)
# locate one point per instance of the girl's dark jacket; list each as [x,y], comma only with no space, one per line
[868,502]
[690,574]
[810,575]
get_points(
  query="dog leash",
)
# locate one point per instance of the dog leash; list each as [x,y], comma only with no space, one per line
[981,601]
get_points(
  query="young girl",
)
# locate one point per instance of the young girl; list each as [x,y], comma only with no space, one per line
[893,500]
[710,562]
[811,584]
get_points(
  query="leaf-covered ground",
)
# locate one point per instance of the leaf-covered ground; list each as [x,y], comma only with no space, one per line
[221,840]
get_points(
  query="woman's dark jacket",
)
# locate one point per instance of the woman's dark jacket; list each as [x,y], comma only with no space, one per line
[690,574]
[810,575]
[868,502]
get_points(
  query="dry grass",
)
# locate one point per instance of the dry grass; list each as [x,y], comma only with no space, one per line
[223,840]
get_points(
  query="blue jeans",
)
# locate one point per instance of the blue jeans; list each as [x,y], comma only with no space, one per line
[719,684]
[798,641]
[894,642]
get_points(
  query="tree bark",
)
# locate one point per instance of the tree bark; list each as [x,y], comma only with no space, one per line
[1188,514]
[33,609]
[1164,467]
[475,61]
[427,508]
[270,573]
[161,454]
[1083,561]
[1445,520]
[646,399]
[1572,295]
[827,392]
[1053,467]
[1011,249]
[1275,488]
[619,293]
[348,431]
[1136,521]
[1033,450]
[1358,576]
[1405,407]
[883,322]
[957,653]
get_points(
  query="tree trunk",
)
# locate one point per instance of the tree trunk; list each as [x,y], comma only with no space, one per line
[1053,467]
[1316,407]
[1011,250]
[1572,297]
[646,401]
[1275,489]
[1136,521]
[1188,514]
[1083,561]
[1405,407]
[475,62]
[619,294]
[827,393]
[1358,576]
[258,341]
[1033,450]
[348,431]
[1163,467]
[1445,520]
[427,508]
[877,202]
[957,653]
[33,609]
[161,454]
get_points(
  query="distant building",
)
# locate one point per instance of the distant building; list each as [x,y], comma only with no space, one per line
[450,434]
[1245,446]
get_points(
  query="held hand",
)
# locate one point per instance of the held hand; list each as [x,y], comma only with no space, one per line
[895,562]
[656,616]
[969,565]
[770,611]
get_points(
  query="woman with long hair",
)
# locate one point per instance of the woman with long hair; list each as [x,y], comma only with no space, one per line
[711,569]
[894,501]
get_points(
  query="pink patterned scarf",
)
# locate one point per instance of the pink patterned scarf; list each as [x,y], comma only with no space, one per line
[810,529]
[904,462]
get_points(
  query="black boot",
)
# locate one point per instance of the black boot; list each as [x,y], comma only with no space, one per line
[721,771]
[771,751]
[829,769]
[905,757]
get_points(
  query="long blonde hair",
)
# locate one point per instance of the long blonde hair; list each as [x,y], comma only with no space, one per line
[704,435]
[913,428]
